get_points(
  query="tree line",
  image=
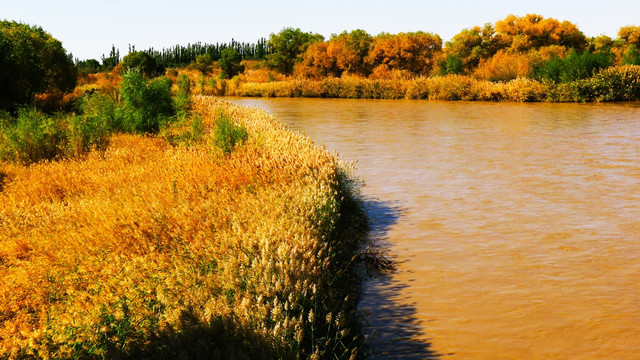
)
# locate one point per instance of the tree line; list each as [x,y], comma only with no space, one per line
[33,62]
[180,55]
[517,46]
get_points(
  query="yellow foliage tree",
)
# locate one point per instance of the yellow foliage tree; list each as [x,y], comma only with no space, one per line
[630,35]
[503,66]
[522,33]
[415,52]
[472,45]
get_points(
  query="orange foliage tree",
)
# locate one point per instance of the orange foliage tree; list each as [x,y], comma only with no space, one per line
[345,52]
[503,66]
[350,51]
[415,52]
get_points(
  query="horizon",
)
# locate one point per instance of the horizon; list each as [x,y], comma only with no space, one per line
[160,25]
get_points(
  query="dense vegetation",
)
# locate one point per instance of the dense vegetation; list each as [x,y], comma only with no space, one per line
[156,249]
[140,221]
[31,62]
[554,57]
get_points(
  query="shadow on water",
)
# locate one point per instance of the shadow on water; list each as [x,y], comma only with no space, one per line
[392,329]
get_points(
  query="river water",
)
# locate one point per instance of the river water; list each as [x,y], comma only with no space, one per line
[515,227]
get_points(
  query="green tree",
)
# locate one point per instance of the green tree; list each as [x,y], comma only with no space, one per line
[229,62]
[288,45]
[143,62]
[203,63]
[108,63]
[90,66]
[469,47]
[31,62]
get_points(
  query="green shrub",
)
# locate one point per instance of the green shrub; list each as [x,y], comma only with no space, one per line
[146,106]
[620,83]
[183,96]
[574,67]
[92,128]
[451,65]
[227,134]
[31,137]
[632,56]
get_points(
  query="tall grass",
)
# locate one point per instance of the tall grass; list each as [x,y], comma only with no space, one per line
[150,250]
[609,84]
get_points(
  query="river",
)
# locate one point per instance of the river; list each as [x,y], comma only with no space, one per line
[515,227]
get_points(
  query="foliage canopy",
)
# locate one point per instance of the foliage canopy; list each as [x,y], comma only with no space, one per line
[32,62]
[287,46]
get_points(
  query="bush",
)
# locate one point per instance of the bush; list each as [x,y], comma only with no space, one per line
[92,129]
[146,106]
[183,96]
[620,83]
[31,137]
[227,134]
[573,67]
[632,56]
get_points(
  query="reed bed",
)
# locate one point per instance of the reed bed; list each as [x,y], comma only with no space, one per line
[611,84]
[153,250]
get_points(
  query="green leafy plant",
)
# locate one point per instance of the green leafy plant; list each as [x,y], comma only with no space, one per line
[228,135]
[31,137]
[146,106]
[230,62]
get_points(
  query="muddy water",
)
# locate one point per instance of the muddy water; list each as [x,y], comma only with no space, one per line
[516,227]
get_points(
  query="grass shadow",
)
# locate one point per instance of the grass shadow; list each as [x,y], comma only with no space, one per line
[3,176]
[391,327]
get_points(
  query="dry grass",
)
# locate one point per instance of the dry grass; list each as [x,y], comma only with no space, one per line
[449,87]
[149,250]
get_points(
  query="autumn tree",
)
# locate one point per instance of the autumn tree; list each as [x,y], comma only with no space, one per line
[316,62]
[628,45]
[349,51]
[630,35]
[31,62]
[415,52]
[523,33]
[465,50]
[288,45]
[345,52]
[602,43]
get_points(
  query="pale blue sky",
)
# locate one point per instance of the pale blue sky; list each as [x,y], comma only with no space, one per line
[87,28]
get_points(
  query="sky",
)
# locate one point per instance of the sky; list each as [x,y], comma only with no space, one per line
[88,28]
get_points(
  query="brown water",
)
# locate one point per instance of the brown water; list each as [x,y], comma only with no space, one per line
[516,227]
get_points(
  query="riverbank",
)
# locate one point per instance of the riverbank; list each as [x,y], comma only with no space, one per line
[154,250]
[621,83]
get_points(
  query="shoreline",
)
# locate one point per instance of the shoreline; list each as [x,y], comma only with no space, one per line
[613,84]
[180,251]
